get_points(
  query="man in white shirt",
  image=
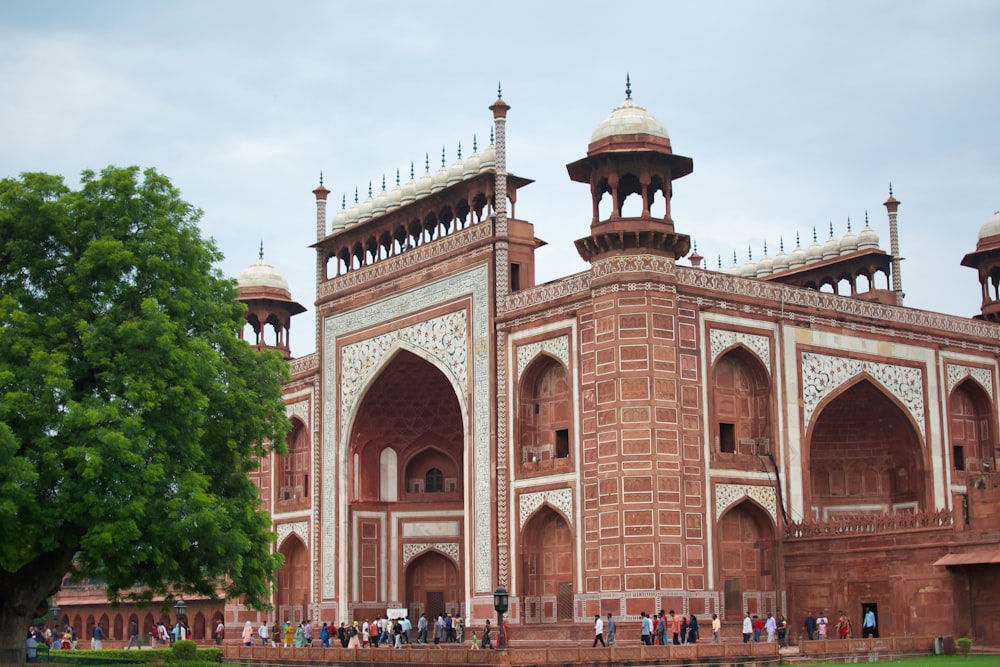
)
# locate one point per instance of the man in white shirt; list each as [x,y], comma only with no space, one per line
[262,632]
[716,629]
[771,626]
[599,630]
[747,628]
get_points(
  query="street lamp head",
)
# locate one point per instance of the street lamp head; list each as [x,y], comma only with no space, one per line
[500,600]
[54,611]
[180,609]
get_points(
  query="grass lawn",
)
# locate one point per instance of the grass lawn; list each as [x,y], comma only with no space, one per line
[974,660]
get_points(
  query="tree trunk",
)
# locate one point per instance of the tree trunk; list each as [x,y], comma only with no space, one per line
[24,597]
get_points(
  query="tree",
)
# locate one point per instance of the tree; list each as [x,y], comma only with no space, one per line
[130,411]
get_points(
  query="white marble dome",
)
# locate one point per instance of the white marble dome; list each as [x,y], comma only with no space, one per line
[261,274]
[991,227]
[867,238]
[629,118]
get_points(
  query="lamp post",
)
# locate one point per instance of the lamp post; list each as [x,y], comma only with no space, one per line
[54,611]
[500,605]
[180,610]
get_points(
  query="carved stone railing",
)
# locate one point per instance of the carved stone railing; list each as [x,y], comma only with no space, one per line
[869,524]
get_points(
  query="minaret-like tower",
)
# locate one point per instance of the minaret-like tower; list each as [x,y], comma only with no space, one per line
[630,154]
[269,305]
[892,205]
[986,260]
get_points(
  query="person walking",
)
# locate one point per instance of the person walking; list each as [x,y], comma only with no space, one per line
[716,629]
[247,636]
[599,630]
[770,626]
[609,631]
[868,627]
[97,639]
[692,636]
[748,628]
[133,635]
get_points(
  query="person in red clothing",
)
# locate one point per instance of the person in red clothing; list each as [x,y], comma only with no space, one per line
[758,627]
[675,630]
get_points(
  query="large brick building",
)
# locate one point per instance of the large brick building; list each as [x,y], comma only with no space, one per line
[779,437]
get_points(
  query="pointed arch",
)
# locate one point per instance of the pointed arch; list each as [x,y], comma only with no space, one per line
[741,404]
[547,551]
[543,417]
[433,584]
[863,424]
[971,427]
[746,559]
[292,591]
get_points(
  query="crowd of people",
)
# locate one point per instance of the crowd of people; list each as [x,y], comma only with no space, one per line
[395,632]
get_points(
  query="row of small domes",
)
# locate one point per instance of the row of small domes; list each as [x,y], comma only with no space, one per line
[415,188]
[815,252]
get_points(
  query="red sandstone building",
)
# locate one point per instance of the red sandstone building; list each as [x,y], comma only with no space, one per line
[781,437]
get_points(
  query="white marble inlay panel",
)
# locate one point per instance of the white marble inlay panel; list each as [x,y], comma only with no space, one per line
[557,347]
[957,373]
[822,374]
[720,340]
[561,499]
[727,495]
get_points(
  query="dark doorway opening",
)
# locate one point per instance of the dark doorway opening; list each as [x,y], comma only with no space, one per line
[869,624]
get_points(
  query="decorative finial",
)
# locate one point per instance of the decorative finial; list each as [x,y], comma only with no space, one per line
[749,254]
[411,170]
[735,261]
[765,248]
[890,188]
[355,195]
[383,182]
[397,178]
[798,243]
[499,94]
[427,163]
[814,235]
[719,262]
[866,216]
[442,156]
[260,253]
[460,150]
[474,147]
[369,189]
[343,201]
[321,180]
[491,136]
[628,86]
[781,244]
[695,245]
[848,224]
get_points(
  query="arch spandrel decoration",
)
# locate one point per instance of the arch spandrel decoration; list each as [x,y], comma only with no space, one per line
[300,410]
[471,283]
[449,549]
[957,373]
[561,499]
[727,495]
[299,528]
[823,374]
[557,347]
[443,338]
[720,340]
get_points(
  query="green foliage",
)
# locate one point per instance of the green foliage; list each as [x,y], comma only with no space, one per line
[130,412]
[964,645]
[183,650]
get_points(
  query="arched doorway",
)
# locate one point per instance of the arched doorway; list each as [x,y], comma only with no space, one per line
[969,419]
[408,472]
[547,556]
[293,582]
[741,406]
[747,562]
[433,586]
[543,417]
[864,456]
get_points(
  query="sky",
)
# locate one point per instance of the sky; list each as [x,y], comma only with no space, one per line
[796,114]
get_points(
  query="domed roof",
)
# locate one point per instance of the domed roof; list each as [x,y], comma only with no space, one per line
[765,266]
[867,238]
[849,241]
[395,195]
[472,163]
[261,274]
[781,260]
[440,178]
[798,256]
[814,252]
[991,227]
[832,246]
[629,118]
[340,217]
[381,200]
[409,188]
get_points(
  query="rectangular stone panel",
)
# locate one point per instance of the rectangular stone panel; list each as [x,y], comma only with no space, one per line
[606,392]
[611,582]
[672,581]
[635,389]
[640,581]
[670,555]
[639,555]
[610,556]
[668,488]
[663,326]
[607,417]
[637,489]
[605,361]
[688,335]
[635,415]
[665,389]
[632,325]
[638,522]
[693,526]
[666,415]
